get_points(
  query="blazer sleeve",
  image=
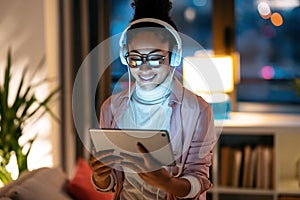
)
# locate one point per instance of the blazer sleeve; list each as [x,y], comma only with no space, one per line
[199,155]
[105,119]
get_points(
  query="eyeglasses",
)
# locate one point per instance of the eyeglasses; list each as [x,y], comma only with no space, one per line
[152,60]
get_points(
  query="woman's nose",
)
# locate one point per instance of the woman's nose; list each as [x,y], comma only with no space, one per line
[145,67]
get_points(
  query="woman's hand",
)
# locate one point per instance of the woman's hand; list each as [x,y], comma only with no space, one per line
[101,164]
[147,167]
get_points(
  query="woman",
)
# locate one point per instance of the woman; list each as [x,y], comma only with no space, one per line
[156,101]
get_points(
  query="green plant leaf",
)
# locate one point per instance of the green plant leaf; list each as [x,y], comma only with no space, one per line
[5,176]
[42,104]
[6,81]
[18,94]
[25,108]
[21,160]
[38,67]
[27,104]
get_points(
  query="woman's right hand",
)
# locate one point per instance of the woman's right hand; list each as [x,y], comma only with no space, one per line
[101,164]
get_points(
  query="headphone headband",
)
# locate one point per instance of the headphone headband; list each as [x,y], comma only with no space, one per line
[177,52]
[156,21]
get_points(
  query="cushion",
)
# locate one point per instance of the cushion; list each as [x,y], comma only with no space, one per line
[81,187]
[24,175]
[46,184]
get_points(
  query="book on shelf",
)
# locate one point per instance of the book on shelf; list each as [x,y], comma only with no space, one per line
[252,168]
[247,167]
[225,165]
[259,167]
[231,160]
[264,167]
[236,167]
[267,167]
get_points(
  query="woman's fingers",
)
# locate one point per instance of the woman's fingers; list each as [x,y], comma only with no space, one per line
[103,171]
[133,162]
[105,153]
[141,148]
[105,158]
[131,166]
[133,159]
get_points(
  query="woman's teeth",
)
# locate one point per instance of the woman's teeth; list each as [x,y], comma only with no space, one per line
[147,78]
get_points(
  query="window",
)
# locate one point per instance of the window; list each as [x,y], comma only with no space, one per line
[267,39]
[270,51]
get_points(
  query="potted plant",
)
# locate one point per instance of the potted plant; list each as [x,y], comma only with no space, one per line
[26,107]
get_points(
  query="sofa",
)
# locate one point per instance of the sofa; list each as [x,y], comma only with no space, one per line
[53,184]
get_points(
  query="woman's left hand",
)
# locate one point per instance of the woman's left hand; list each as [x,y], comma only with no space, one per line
[147,167]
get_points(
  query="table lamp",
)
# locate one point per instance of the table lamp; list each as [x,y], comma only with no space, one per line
[213,77]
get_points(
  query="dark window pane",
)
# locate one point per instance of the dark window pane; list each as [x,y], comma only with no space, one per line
[270,52]
[269,49]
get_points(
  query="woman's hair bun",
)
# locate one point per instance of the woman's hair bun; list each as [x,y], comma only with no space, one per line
[159,9]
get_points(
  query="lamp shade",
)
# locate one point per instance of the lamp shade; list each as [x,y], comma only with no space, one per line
[209,74]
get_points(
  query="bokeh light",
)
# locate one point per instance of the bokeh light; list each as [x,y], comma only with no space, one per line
[264,10]
[199,2]
[268,72]
[276,19]
[190,14]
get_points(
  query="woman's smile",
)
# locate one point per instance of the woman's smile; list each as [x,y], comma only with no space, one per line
[147,78]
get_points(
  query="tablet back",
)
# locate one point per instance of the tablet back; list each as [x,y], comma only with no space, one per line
[157,142]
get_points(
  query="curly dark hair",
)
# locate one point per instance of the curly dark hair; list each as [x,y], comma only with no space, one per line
[158,9]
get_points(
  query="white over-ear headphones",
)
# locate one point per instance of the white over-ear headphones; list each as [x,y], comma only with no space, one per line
[176,52]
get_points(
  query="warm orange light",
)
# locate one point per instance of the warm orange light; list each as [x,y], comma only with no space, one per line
[276,19]
[208,74]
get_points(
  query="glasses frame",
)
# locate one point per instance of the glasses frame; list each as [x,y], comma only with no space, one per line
[145,59]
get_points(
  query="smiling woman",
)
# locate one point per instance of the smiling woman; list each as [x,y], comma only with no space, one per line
[151,49]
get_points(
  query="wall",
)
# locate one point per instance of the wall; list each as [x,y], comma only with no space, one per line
[22,29]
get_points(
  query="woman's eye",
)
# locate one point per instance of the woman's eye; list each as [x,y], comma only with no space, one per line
[154,58]
[135,58]
[154,62]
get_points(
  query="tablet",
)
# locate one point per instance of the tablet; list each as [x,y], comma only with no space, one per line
[157,142]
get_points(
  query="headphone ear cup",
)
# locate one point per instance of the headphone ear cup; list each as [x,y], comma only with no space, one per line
[175,57]
[172,60]
[123,51]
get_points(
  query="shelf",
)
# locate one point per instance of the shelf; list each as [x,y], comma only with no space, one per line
[287,186]
[260,120]
[274,142]
[250,191]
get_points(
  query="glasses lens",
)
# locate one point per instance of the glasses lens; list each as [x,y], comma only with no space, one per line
[137,60]
[155,60]
[134,61]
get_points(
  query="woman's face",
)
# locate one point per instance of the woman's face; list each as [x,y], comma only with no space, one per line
[146,42]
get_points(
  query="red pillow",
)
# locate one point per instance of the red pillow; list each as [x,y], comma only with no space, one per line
[81,188]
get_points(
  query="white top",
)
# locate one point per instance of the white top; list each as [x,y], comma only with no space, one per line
[149,110]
